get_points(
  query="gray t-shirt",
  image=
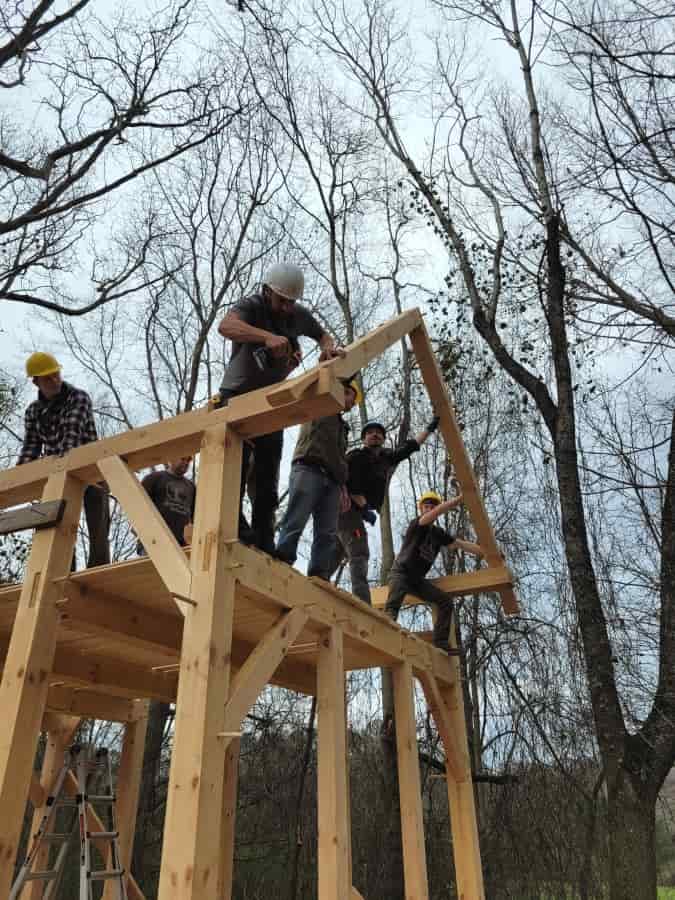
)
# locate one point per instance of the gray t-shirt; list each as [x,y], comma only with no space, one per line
[242,373]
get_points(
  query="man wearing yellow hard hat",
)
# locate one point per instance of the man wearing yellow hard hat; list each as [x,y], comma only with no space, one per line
[60,419]
[421,544]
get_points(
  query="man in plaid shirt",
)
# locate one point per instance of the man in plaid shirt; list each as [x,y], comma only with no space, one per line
[62,418]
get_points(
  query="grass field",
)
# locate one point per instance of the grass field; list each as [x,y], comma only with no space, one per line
[667,893]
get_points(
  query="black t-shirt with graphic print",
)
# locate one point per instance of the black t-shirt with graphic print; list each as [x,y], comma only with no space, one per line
[174,497]
[420,547]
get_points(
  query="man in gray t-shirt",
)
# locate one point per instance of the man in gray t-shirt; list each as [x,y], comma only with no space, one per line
[264,329]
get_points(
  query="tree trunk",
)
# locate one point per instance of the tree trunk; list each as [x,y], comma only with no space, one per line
[157,719]
[632,838]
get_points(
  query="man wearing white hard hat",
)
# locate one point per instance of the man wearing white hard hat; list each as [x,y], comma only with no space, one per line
[60,419]
[264,329]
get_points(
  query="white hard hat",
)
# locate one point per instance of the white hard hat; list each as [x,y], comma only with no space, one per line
[285,279]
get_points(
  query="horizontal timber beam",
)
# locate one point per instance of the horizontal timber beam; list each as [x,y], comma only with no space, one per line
[250,415]
[357,356]
[90,705]
[362,626]
[478,582]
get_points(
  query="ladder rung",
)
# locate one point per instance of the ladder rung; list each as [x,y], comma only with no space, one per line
[103,875]
[102,835]
[100,798]
[42,876]
[54,836]
[66,801]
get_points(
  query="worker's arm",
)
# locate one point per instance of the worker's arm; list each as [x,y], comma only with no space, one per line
[429,430]
[32,444]
[329,349]
[429,517]
[467,546]
[235,328]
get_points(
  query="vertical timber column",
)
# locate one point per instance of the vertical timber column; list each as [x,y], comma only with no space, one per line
[59,735]
[335,877]
[461,798]
[192,828]
[25,677]
[128,788]
[410,787]
[230,784]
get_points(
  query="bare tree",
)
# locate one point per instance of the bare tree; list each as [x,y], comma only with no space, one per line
[118,97]
[523,278]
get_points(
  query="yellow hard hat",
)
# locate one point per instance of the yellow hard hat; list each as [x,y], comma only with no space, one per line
[40,363]
[429,495]
[354,385]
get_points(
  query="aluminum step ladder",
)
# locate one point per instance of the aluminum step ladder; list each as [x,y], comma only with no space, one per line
[93,768]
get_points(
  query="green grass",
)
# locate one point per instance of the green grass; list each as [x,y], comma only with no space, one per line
[666,893]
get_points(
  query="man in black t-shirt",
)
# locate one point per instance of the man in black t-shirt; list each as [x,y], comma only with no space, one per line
[421,544]
[174,496]
[370,468]
[264,329]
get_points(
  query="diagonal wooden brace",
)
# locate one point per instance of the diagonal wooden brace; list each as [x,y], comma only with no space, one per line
[156,536]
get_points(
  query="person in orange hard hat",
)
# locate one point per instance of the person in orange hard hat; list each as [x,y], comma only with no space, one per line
[60,419]
[421,544]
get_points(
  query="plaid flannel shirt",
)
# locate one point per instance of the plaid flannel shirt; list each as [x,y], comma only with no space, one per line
[53,427]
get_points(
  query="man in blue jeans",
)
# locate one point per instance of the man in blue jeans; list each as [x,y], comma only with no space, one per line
[317,488]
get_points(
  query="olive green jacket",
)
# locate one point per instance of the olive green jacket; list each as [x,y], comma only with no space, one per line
[323,442]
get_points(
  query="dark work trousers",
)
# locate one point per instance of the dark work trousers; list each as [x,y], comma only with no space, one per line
[400,585]
[97,514]
[263,483]
[352,543]
[266,451]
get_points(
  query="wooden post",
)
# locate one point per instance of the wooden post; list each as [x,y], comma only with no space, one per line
[335,877]
[230,783]
[192,829]
[59,736]
[128,787]
[25,677]
[462,802]
[410,788]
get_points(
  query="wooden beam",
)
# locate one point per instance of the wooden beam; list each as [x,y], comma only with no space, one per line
[438,395]
[105,675]
[481,581]
[60,734]
[156,536]
[194,813]
[153,444]
[23,691]
[127,789]
[335,877]
[261,666]
[462,804]
[455,764]
[250,415]
[108,616]
[89,704]
[37,516]
[230,784]
[410,787]
[280,584]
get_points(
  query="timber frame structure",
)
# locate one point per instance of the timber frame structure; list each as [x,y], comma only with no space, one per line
[209,630]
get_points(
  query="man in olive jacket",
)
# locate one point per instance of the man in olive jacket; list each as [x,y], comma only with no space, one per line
[316,486]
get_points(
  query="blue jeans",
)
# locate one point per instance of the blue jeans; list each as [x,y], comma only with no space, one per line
[310,493]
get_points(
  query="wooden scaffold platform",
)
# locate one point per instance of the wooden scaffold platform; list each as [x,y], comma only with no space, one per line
[209,630]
